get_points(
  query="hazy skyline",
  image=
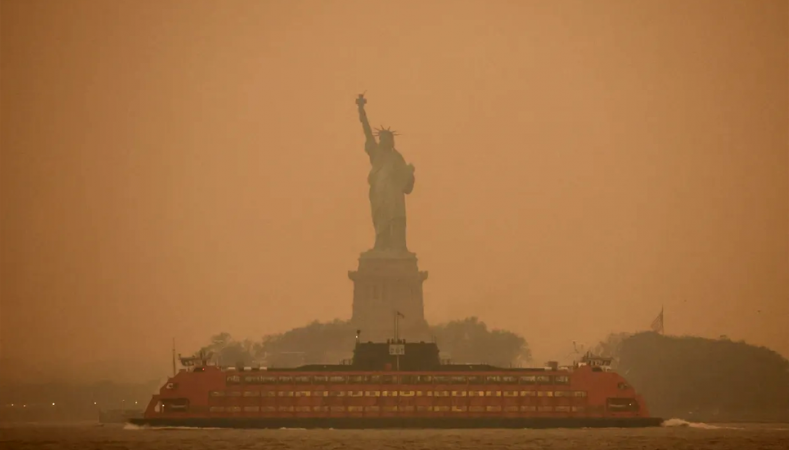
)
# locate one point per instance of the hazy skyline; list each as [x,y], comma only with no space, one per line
[181,168]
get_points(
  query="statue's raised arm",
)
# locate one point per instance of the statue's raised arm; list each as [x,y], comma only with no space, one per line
[368,131]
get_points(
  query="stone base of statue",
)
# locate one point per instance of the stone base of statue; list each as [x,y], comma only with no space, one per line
[388,282]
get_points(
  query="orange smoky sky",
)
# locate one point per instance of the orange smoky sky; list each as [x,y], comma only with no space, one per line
[181,168]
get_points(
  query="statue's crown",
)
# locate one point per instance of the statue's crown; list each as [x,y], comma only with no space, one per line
[385,131]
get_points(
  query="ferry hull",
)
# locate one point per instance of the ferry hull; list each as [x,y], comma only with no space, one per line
[401,422]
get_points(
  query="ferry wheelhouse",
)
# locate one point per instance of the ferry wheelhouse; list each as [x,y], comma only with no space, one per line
[397,384]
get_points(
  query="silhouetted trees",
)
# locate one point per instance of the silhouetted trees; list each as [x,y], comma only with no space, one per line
[695,377]
[467,340]
[470,341]
[227,351]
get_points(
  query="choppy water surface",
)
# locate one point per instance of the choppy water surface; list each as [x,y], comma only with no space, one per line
[675,434]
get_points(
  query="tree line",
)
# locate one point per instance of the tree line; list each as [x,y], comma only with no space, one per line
[702,379]
[463,341]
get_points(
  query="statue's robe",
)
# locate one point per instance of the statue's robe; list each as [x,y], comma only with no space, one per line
[390,180]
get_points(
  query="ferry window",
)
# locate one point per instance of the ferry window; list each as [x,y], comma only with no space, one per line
[544,393]
[510,393]
[493,408]
[320,379]
[303,409]
[372,393]
[476,393]
[545,408]
[492,393]
[408,379]
[458,380]
[302,380]
[562,394]
[528,379]
[441,408]
[622,404]
[371,408]
[355,408]
[562,409]
[390,408]
[528,393]
[338,379]
[268,393]
[320,393]
[389,379]
[285,408]
[442,380]
[337,408]
[493,379]
[457,408]
[579,393]
[359,378]
[233,393]
[406,408]
[303,393]
[285,379]
[562,379]
[476,408]
[216,409]
[543,379]
[251,408]
[375,379]
[459,393]
[217,393]
[425,379]
[578,409]
[422,408]
[528,408]
[233,409]
[406,393]
[355,393]
[476,380]
[320,408]
[233,379]
[512,408]
[509,379]
[267,409]
[389,394]
[251,393]
[285,394]
[440,393]
[265,380]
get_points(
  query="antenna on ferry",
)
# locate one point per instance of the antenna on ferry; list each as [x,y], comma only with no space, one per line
[173,356]
[397,315]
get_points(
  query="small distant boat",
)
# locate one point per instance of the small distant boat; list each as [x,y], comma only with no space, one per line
[119,415]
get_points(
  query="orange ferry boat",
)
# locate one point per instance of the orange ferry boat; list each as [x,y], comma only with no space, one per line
[398,384]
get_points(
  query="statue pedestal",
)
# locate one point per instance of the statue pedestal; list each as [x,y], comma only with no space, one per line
[387,282]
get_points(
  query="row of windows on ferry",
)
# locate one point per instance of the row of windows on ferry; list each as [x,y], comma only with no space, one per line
[396,408]
[398,394]
[402,379]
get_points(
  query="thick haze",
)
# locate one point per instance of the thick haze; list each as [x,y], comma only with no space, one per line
[180,168]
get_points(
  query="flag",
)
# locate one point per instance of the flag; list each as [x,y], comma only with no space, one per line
[657,324]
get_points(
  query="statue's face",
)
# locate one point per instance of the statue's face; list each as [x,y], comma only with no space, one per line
[386,141]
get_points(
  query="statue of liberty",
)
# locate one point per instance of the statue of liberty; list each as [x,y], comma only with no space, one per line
[390,180]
